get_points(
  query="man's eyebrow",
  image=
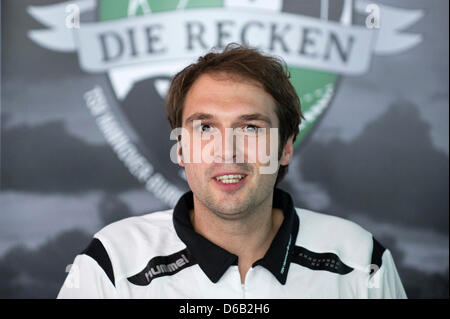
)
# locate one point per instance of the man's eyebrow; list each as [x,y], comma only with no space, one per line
[198,116]
[255,117]
[241,118]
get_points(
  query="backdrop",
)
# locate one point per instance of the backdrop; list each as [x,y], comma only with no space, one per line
[85,141]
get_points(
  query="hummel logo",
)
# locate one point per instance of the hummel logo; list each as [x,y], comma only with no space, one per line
[163,266]
[168,268]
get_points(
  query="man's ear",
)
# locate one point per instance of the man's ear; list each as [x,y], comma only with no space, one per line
[180,154]
[288,151]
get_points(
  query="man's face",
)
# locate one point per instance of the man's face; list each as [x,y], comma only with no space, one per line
[229,187]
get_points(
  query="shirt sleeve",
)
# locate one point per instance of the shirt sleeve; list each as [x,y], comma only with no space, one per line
[384,282]
[91,275]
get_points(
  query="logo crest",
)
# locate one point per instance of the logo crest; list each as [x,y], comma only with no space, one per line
[140,44]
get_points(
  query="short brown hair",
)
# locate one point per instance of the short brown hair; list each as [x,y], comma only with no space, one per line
[246,63]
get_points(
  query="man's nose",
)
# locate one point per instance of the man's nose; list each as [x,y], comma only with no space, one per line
[228,146]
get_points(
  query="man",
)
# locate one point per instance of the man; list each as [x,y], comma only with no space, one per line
[235,235]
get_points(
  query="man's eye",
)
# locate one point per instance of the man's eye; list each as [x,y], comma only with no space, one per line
[251,128]
[205,128]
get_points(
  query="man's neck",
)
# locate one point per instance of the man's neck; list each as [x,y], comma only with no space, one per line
[249,238]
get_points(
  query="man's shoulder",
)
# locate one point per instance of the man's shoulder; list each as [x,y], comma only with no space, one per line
[325,233]
[138,231]
[131,243]
[159,219]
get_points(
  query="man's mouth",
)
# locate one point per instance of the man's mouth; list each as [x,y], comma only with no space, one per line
[230,178]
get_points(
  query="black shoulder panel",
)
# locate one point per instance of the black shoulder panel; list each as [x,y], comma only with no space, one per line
[319,261]
[97,251]
[377,253]
[163,266]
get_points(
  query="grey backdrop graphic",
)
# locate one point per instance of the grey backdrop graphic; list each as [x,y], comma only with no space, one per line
[378,156]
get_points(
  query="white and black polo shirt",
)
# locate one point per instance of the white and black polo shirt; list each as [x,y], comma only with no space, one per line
[159,255]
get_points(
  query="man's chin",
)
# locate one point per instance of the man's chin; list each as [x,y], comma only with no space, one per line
[226,213]
[230,205]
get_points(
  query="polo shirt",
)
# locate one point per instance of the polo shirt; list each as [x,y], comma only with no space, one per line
[159,255]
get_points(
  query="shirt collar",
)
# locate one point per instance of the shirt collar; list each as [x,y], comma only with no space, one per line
[214,260]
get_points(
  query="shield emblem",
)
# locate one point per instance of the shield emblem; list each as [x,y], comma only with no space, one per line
[135,86]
